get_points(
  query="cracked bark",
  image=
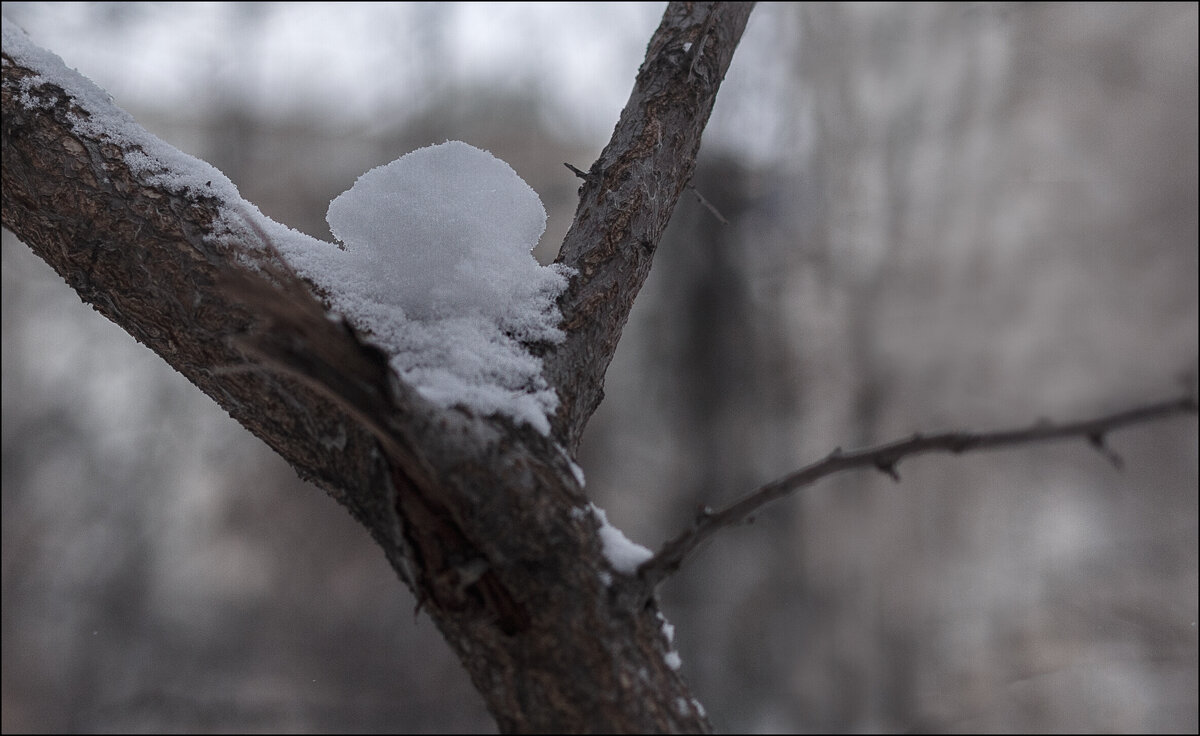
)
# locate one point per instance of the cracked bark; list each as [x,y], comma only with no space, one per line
[548,645]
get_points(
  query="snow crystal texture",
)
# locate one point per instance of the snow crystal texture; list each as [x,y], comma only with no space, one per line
[437,269]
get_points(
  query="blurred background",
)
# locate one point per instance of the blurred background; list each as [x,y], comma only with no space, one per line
[940,216]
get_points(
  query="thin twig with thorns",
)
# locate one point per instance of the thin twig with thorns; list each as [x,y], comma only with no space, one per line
[885,458]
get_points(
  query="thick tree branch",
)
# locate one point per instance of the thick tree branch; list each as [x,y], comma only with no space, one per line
[629,193]
[886,457]
[162,261]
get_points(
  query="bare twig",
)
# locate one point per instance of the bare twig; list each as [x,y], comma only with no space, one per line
[708,205]
[577,171]
[886,457]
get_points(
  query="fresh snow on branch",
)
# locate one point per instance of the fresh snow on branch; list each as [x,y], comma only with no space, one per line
[437,266]
[94,115]
[623,554]
[97,117]
[437,269]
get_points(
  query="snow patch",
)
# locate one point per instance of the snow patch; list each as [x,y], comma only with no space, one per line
[437,269]
[672,658]
[156,161]
[575,471]
[668,630]
[578,473]
[622,554]
[163,164]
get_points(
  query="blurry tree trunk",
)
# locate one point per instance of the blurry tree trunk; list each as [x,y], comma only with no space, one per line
[485,521]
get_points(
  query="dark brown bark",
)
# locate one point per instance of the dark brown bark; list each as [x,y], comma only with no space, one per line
[645,166]
[484,520]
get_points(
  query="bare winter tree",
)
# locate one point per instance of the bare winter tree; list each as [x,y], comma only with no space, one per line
[484,520]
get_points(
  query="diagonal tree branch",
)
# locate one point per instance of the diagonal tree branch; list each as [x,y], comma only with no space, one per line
[629,193]
[886,457]
[152,247]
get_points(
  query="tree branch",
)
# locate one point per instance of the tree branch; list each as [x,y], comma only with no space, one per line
[629,193]
[551,637]
[154,249]
[886,457]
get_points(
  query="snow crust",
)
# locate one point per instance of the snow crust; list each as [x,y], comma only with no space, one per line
[436,267]
[622,554]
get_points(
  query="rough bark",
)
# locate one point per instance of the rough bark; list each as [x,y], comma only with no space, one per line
[485,521]
[645,166]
